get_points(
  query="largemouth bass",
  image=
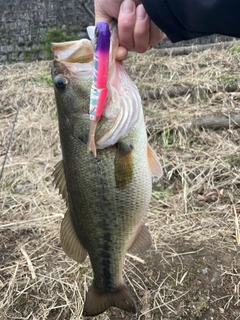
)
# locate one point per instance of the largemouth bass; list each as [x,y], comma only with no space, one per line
[106,195]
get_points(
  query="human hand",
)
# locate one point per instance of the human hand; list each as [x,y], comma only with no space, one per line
[136,30]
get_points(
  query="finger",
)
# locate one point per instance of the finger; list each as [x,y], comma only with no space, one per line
[141,30]
[156,35]
[137,2]
[126,22]
[105,12]
[121,53]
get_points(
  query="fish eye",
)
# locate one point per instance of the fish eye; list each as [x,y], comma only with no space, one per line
[60,81]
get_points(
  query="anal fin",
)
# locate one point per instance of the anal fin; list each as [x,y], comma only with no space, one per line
[98,301]
[142,240]
[69,240]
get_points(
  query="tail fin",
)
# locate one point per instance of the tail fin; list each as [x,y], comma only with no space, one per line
[98,301]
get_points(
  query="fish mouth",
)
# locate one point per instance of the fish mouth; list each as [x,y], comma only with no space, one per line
[80,51]
[73,59]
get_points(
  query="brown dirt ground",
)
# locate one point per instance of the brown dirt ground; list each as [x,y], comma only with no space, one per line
[192,271]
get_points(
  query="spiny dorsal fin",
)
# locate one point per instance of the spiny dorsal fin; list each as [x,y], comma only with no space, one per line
[69,240]
[60,181]
[98,301]
[123,165]
[153,162]
[142,240]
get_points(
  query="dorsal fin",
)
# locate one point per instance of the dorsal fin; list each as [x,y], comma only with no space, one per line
[70,242]
[153,162]
[60,181]
[142,240]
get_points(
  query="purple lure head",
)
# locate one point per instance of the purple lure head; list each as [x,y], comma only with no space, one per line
[102,35]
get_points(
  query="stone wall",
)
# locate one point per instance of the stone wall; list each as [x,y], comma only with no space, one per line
[215,38]
[24,24]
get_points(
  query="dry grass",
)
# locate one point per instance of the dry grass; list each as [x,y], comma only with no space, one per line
[192,271]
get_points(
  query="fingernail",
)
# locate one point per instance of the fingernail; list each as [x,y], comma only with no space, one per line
[141,13]
[127,6]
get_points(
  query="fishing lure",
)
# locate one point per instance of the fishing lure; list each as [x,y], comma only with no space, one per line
[99,89]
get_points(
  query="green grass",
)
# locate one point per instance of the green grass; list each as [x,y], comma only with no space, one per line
[56,34]
[45,78]
[224,79]
[235,47]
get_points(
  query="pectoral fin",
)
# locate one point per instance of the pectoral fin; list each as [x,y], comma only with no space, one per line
[153,163]
[123,165]
[142,240]
[70,242]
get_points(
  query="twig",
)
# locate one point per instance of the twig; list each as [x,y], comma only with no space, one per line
[19,104]
[237,226]
[194,48]
[216,121]
[164,304]
[85,6]
[29,262]
[184,253]
[135,258]
[10,288]
[182,90]
[18,223]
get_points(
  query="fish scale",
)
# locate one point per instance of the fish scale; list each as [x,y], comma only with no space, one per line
[100,215]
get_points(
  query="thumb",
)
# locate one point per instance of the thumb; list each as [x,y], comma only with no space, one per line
[99,16]
[103,11]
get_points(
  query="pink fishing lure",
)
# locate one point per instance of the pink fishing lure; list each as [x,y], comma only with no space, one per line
[100,73]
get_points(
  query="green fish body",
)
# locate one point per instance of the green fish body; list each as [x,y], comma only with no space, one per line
[106,195]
